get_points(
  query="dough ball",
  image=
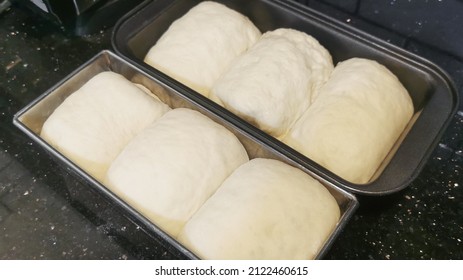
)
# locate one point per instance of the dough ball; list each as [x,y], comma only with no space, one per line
[198,47]
[94,123]
[173,166]
[265,210]
[275,81]
[359,115]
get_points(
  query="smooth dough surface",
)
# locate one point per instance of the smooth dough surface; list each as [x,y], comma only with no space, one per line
[95,122]
[265,210]
[275,81]
[198,47]
[174,165]
[359,115]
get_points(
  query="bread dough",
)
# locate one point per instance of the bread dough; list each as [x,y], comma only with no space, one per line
[359,115]
[174,165]
[274,82]
[198,47]
[94,123]
[265,210]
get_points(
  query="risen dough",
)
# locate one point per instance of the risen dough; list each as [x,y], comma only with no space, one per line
[174,165]
[94,123]
[198,47]
[273,83]
[359,115]
[265,210]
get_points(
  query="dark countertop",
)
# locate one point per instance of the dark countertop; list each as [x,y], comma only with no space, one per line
[41,219]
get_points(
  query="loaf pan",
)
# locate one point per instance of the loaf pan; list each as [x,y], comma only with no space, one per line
[30,120]
[432,91]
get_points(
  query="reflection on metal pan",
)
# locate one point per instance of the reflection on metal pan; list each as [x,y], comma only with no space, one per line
[433,93]
[30,120]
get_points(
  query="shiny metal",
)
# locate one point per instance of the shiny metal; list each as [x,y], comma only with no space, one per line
[434,96]
[30,120]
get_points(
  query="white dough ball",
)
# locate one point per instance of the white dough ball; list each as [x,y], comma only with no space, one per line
[265,210]
[359,115]
[275,81]
[198,47]
[95,123]
[170,169]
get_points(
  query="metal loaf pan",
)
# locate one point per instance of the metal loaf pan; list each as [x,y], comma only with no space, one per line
[30,120]
[433,93]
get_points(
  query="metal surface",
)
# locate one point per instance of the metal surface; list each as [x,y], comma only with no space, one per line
[30,120]
[432,91]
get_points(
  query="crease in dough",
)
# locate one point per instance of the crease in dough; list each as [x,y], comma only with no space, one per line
[359,115]
[198,47]
[95,122]
[265,210]
[275,81]
[173,166]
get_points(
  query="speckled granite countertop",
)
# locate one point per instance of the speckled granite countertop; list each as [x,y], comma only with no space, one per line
[41,219]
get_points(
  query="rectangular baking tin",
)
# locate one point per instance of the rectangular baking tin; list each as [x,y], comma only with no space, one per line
[432,91]
[30,120]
